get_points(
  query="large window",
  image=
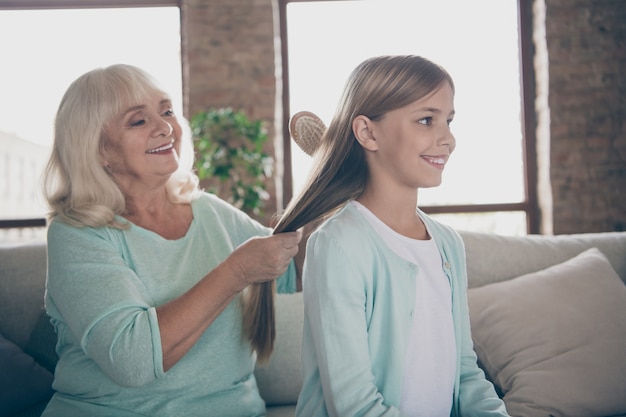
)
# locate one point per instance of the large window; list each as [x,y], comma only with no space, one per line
[43,51]
[484,186]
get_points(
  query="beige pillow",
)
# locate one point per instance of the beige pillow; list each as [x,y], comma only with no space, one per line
[554,341]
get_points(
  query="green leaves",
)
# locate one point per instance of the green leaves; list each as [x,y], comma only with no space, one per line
[230,161]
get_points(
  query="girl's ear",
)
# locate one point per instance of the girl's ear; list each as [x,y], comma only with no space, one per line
[362,128]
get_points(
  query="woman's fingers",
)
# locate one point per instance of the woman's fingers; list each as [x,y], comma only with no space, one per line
[263,259]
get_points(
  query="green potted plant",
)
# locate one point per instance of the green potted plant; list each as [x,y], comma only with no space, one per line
[230,161]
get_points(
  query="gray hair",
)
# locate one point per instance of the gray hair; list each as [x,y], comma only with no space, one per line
[78,189]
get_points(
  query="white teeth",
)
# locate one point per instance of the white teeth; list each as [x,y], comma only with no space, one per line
[162,148]
[440,161]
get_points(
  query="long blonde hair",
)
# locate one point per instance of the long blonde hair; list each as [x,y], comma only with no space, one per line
[79,190]
[259,319]
[339,174]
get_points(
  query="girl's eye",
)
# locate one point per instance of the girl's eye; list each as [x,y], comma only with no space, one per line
[426,121]
[168,113]
[137,122]
[450,121]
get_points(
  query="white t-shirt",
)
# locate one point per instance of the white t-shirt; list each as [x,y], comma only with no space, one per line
[429,374]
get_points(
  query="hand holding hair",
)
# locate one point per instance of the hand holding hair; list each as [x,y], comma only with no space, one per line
[262,259]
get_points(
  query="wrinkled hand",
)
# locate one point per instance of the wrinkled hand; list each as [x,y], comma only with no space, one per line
[262,259]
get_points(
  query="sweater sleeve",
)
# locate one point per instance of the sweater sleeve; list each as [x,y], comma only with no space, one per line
[98,304]
[286,283]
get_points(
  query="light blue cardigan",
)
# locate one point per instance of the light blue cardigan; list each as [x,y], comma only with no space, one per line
[359,298]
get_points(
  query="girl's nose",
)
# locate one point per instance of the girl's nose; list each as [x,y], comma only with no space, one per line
[447,139]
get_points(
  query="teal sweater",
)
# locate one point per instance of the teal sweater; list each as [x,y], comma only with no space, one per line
[359,297]
[103,287]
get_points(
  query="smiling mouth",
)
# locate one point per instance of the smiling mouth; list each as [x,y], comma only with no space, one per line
[435,161]
[161,148]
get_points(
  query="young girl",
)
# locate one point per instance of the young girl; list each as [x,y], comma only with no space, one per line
[386,329]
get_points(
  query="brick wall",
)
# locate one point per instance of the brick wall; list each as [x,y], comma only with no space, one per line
[230,49]
[586,43]
[229,61]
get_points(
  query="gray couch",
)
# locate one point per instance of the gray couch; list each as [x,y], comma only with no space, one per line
[492,261]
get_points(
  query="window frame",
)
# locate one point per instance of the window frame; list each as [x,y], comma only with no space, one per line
[70,4]
[527,96]
[529,152]
[83,4]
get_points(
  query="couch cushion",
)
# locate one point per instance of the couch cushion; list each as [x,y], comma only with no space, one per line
[280,381]
[553,341]
[23,382]
[494,258]
[281,411]
[22,286]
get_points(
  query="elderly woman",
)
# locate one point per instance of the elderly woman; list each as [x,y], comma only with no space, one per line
[154,287]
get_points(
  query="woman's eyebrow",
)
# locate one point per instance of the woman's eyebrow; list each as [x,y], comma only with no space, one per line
[165,101]
[133,108]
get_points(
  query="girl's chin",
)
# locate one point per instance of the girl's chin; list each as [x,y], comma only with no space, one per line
[430,184]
